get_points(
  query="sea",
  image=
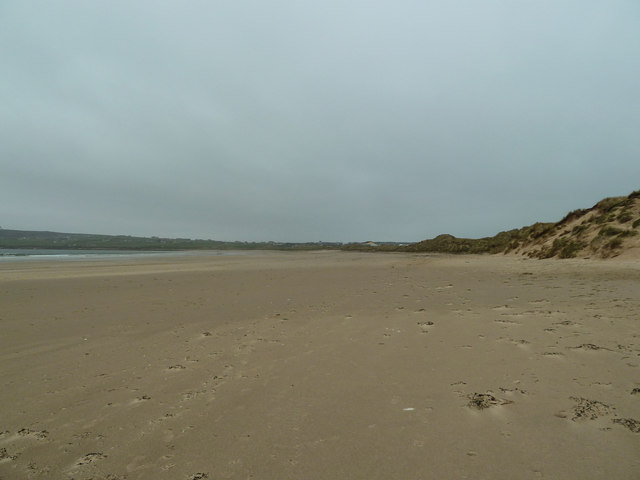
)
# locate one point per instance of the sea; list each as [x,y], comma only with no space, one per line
[37,254]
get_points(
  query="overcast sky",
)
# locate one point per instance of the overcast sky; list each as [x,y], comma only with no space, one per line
[305,120]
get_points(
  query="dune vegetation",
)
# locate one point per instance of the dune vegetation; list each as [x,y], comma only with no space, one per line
[605,230]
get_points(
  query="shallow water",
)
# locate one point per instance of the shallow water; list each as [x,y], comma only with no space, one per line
[17,254]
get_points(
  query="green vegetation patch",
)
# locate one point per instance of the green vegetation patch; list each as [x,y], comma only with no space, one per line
[609,231]
[562,248]
[606,218]
[625,216]
[571,249]
[614,244]
[539,229]
[573,215]
[579,229]
[611,203]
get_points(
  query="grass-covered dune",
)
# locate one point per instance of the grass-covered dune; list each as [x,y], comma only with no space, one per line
[605,230]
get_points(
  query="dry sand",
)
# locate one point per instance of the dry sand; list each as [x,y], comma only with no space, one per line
[320,366]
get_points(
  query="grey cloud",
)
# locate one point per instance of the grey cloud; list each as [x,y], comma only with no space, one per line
[314,120]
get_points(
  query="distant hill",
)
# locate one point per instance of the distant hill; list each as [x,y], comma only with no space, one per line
[608,229]
[57,240]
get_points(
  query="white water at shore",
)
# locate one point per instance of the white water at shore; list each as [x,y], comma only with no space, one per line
[17,254]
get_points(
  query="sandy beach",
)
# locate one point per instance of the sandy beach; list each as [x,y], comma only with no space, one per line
[324,365]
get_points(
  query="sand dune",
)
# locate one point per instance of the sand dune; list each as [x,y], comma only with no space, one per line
[320,366]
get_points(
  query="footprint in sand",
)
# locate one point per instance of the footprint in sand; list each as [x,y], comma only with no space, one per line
[40,435]
[140,399]
[539,302]
[199,476]
[502,308]
[513,390]
[90,458]
[553,355]
[568,323]
[459,383]
[507,322]
[191,395]
[176,367]
[5,456]
[603,385]
[520,343]
[630,423]
[85,435]
[23,433]
[482,401]
[586,409]
[588,347]
[424,326]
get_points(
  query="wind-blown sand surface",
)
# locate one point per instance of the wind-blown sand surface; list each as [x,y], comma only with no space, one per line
[320,366]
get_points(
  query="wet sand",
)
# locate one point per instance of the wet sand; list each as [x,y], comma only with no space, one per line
[324,365]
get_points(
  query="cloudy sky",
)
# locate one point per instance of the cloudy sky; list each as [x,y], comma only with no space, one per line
[304,120]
